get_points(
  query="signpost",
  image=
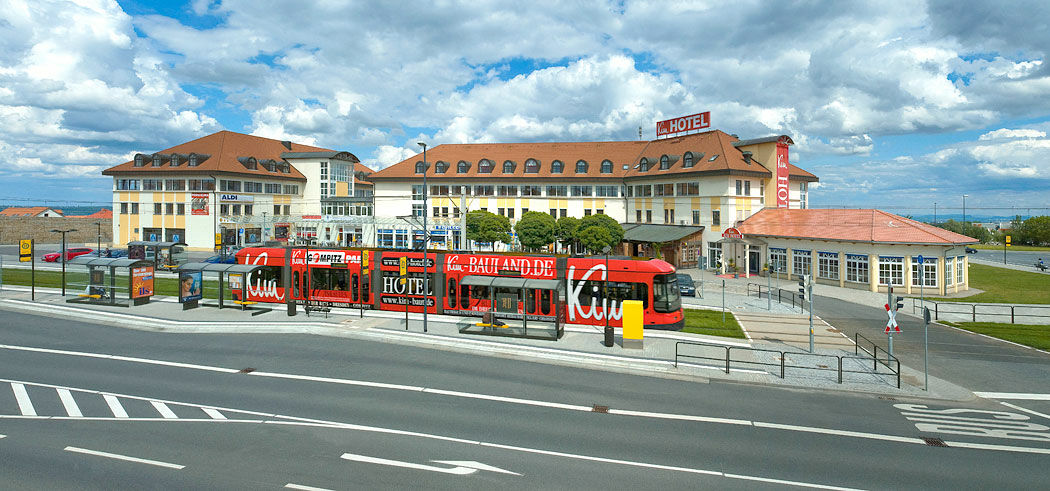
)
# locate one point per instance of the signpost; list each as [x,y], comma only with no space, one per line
[403,265]
[926,346]
[25,254]
[891,324]
[1006,243]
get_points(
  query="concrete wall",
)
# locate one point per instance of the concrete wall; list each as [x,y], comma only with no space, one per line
[13,229]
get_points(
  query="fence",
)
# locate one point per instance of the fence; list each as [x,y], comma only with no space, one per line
[783,357]
[971,309]
[781,294]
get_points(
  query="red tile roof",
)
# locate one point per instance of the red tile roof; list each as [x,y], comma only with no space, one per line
[32,211]
[625,156]
[873,226]
[103,214]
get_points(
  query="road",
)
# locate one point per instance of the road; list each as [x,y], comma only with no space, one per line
[346,413]
[1019,258]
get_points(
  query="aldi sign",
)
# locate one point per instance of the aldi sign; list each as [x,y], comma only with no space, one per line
[685,123]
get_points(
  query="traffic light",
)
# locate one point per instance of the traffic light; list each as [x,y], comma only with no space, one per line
[802,287]
[900,303]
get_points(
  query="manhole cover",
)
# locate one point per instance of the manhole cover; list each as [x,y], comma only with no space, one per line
[934,442]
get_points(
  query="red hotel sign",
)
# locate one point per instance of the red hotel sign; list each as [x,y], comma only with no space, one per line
[782,173]
[685,123]
[732,233]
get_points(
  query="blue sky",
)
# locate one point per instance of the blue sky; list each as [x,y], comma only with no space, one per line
[895,105]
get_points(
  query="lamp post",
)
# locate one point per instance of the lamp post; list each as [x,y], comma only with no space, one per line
[98,248]
[964,207]
[63,256]
[609,337]
[426,234]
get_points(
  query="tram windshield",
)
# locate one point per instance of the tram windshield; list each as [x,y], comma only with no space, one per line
[665,293]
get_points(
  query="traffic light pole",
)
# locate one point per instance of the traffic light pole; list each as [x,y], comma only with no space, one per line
[809,291]
[889,332]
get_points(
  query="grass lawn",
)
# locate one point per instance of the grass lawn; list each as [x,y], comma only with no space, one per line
[709,322]
[1028,335]
[1005,286]
[53,279]
[999,247]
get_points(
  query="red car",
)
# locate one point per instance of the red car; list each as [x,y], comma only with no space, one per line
[70,254]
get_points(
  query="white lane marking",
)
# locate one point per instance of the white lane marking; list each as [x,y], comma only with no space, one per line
[305,488]
[213,413]
[119,358]
[124,457]
[343,381]
[71,405]
[473,464]
[114,406]
[683,417]
[1013,395]
[163,410]
[781,481]
[1029,411]
[459,471]
[829,431]
[25,405]
[1001,448]
[512,400]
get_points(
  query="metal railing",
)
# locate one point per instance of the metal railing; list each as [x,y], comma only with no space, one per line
[986,309]
[783,356]
[889,362]
[778,293]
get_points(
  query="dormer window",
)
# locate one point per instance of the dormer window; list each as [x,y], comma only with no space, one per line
[607,166]
[440,167]
[419,167]
[665,163]
[687,159]
[140,160]
[485,166]
[581,166]
[532,166]
[643,165]
[508,166]
[557,167]
[175,160]
[248,162]
[158,160]
[462,167]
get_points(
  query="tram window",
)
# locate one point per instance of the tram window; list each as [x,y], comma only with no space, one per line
[479,293]
[545,302]
[451,292]
[319,279]
[305,292]
[665,293]
[353,287]
[618,292]
[295,282]
[464,296]
[530,301]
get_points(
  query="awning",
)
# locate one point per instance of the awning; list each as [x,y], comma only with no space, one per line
[645,232]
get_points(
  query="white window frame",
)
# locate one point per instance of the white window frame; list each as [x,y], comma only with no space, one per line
[929,271]
[891,268]
[778,260]
[801,262]
[960,269]
[949,271]
[828,265]
[857,268]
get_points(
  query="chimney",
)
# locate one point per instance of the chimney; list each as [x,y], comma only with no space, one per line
[747,157]
[287,144]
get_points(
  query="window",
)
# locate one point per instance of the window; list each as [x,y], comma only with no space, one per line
[960,264]
[157,208]
[417,192]
[554,212]
[510,212]
[484,190]
[778,260]
[157,160]
[532,166]
[687,160]
[607,191]
[801,262]
[531,190]
[202,184]
[643,190]
[140,160]
[123,208]
[485,166]
[500,212]
[419,169]
[828,265]
[643,165]
[716,217]
[665,293]
[253,187]
[194,160]
[582,190]
[180,209]
[291,189]
[271,188]
[225,185]
[891,270]
[638,216]
[174,185]
[581,166]
[586,212]
[152,185]
[663,189]
[557,167]
[134,208]
[591,291]
[236,209]
[648,216]
[508,167]
[665,162]
[169,208]
[747,188]
[563,212]
[714,251]
[276,210]
[761,187]
[127,184]
[439,190]
[713,158]
[739,187]
[924,275]
[802,188]
[668,215]
[440,167]
[224,209]
[857,268]
[688,189]
[607,166]
[462,167]
[599,211]
[696,217]
[506,190]
[247,210]
[287,210]
[557,190]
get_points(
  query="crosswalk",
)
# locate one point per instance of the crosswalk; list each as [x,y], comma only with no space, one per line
[33,400]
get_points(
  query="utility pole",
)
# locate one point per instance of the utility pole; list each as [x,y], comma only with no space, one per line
[426,235]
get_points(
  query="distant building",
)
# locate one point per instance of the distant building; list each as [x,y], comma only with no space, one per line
[32,211]
[103,214]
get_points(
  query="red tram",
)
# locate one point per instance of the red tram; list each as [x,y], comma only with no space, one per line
[370,280]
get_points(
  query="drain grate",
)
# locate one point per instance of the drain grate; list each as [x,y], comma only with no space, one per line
[934,442]
[600,409]
[246,370]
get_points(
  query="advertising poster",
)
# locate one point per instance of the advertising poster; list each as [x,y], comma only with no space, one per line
[235,281]
[199,204]
[190,286]
[136,252]
[142,282]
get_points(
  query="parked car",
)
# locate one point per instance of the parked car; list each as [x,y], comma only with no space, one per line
[71,252]
[686,287]
[113,253]
[971,250]
[219,259]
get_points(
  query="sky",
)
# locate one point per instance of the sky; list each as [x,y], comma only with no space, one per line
[894,105]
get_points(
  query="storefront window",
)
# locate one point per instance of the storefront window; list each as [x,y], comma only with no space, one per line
[857,268]
[891,270]
[828,265]
[924,275]
[802,262]
[778,260]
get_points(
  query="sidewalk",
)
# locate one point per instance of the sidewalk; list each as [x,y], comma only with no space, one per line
[581,346]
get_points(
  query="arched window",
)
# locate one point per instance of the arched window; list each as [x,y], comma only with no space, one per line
[174,160]
[643,165]
[557,167]
[581,166]
[532,166]
[508,167]
[665,163]
[485,166]
[140,160]
[687,159]
[462,167]
[157,160]
[440,167]
[419,167]
[607,166]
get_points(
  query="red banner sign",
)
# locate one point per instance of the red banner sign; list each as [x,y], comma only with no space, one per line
[782,175]
[732,233]
[199,204]
[684,123]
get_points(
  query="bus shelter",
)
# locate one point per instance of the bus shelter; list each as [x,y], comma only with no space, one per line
[110,281]
[513,311]
[164,255]
[191,284]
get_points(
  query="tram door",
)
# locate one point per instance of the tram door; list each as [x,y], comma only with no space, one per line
[300,284]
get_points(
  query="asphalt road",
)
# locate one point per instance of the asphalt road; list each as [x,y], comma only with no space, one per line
[345,413]
[1020,258]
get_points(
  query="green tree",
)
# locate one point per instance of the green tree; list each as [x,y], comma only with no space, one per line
[968,229]
[535,229]
[1036,230]
[485,226]
[595,238]
[566,230]
[606,222]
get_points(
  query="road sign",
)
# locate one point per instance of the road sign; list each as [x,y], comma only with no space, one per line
[364,260]
[218,239]
[403,264]
[892,322]
[1008,241]
[25,250]
[920,259]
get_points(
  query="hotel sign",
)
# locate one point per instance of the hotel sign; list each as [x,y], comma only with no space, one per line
[685,123]
[782,173]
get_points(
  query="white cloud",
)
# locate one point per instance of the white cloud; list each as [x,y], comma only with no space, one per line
[387,155]
[1009,133]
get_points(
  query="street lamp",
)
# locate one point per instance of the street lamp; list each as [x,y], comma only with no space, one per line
[609,338]
[426,234]
[98,250]
[964,207]
[63,257]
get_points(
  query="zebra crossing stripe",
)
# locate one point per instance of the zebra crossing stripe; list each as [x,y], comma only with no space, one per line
[213,413]
[163,410]
[22,397]
[114,406]
[71,405]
